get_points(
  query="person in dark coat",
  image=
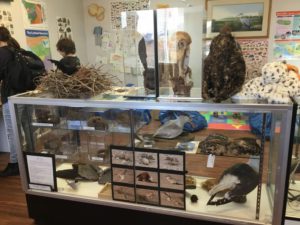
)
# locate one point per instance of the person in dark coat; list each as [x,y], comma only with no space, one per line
[7,45]
[70,63]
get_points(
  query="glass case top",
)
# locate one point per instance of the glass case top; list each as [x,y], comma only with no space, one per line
[120,96]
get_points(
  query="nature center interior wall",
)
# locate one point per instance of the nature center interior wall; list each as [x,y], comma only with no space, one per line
[73,10]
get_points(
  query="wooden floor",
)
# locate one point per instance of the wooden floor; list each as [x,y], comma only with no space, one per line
[13,208]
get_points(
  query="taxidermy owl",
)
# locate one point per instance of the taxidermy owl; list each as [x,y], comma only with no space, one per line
[224,68]
[236,181]
[179,45]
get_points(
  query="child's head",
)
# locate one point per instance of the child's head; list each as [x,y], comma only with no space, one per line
[4,34]
[7,39]
[66,47]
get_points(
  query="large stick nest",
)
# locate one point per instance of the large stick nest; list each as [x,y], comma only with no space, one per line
[88,81]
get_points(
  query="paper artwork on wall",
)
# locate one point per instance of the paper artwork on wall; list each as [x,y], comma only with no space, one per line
[287,35]
[287,50]
[38,42]
[255,52]
[118,7]
[6,20]
[64,27]
[98,35]
[34,14]
[97,11]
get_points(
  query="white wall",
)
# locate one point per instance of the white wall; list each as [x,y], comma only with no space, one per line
[17,19]
[90,23]
[277,6]
[73,10]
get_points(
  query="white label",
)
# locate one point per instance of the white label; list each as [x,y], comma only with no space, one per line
[211,161]
[43,124]
[39,187]
[99,144]
[88,128]
[97,158]
[148,146]
[61,156]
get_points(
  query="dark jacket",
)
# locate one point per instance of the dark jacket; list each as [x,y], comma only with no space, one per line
[7,70]
[68,64]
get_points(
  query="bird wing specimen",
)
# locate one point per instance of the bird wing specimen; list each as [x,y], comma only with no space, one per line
[79,172]
[172,128]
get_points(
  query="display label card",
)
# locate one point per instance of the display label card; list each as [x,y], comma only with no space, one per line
[42,124]
[61,157]
[40,187]
[211,161]
[74,124]
[41,170]
[97,159]
[88,128]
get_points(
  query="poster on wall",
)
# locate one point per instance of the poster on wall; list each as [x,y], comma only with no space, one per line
[6,20]
[255,53]
[38,42]
[287,49]
[287,25]
[287,35]
[118,7]
[64,27]
[34,14]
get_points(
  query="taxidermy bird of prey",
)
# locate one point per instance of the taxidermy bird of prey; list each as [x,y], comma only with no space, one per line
[179,52]
[237,181]
[224,68]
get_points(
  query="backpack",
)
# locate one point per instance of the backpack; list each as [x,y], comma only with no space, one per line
[197,121]
[27,69]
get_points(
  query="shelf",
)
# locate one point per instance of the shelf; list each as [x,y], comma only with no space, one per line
[230,210]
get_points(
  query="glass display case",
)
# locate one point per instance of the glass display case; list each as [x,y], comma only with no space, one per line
[159,53]
[193,160]
[180,51]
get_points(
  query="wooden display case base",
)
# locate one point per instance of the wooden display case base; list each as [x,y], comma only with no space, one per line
[49,211]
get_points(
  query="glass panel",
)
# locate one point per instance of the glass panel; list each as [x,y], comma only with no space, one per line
[137,48]
[180,51]
[293,195]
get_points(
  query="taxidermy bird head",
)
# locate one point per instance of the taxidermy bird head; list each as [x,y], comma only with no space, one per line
[179,45]
[236,181]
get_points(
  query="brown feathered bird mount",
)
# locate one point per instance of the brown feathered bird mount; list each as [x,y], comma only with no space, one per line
[224,68]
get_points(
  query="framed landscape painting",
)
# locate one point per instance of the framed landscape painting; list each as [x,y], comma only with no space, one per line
[245,18]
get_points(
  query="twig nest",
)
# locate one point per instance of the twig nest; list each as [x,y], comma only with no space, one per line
[87,82]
